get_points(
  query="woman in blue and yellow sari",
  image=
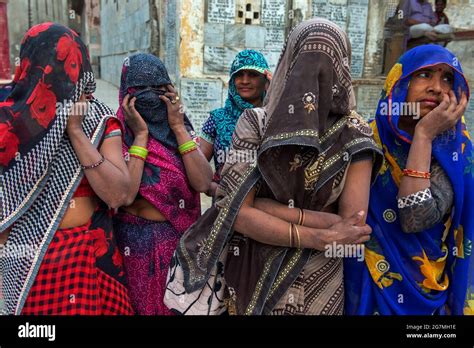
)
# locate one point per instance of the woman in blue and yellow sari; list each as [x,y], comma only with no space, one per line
[418,260]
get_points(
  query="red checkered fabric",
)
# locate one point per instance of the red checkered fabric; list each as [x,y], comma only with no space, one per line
[70,283]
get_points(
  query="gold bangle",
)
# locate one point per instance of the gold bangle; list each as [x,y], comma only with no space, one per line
[302,218]
[298,237]
[290,230]
[299,217]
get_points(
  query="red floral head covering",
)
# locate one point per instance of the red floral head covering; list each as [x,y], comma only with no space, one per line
[52,58]
[39,169]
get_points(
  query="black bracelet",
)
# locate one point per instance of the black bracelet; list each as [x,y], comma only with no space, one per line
[95,165]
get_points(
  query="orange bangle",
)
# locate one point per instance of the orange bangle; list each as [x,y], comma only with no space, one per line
[416,174]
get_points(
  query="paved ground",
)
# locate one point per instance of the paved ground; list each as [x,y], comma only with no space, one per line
[108,94]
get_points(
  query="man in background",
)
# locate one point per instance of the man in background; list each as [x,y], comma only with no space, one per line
[419,17]
[441,17]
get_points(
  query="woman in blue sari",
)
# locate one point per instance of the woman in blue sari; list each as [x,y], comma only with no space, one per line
[418,260]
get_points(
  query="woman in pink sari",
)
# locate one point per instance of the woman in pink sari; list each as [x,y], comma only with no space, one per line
[168,171]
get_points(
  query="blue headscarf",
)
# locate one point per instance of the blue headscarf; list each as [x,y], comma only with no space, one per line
[416,273]
[222,121]
[144,72]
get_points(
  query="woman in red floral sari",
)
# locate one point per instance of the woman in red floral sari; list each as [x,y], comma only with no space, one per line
[62,172]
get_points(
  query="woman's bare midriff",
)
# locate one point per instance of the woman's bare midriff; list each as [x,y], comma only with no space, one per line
[79,212]
[144,209]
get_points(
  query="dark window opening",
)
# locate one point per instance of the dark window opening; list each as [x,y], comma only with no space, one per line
[249,7]
[241,14]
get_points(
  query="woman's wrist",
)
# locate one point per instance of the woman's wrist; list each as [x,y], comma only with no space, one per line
[141,139]
[179,129]
[308,239]
[421,134]
[74,132]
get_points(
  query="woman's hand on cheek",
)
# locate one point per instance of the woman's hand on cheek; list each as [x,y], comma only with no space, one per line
[133,118]
[443,117]
[76,115]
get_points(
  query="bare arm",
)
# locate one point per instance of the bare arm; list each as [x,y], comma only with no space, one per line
[410,21]
[111,179]
[355,195]
[207,149]
[273,230]
[432,202]
[140,131]
[314,219]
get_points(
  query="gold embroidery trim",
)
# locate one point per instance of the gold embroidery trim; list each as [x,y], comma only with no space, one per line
[312,172]
[284,136]
[209,242]
[283,274]
[258,287]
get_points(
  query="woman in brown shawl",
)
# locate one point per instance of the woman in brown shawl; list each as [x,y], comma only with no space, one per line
[307,189]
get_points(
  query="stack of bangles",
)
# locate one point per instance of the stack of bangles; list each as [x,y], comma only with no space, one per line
[138,152]
[295,240]
[187,147]
[416,174]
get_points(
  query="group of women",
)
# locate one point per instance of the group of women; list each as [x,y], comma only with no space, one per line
[106,205]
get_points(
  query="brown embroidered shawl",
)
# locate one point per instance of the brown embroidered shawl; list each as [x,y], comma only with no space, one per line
[304,136]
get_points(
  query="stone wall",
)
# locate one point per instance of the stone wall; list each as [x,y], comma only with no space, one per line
[85,21]
[20,20]
[461,16]
[126,28]
[198,39]
[214,31]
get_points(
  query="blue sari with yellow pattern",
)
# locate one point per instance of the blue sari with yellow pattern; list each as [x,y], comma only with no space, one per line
[430,272]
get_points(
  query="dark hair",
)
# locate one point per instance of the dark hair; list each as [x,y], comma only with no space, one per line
[445,2]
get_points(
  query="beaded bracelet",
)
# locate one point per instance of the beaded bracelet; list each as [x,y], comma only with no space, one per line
[416,174]
[95,165]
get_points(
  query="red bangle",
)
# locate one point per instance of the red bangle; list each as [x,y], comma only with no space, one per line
[136,156]
[416,174]
[189,151]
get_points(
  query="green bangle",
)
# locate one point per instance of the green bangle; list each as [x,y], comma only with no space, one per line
[139,151]
[187,146]
[188,149]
